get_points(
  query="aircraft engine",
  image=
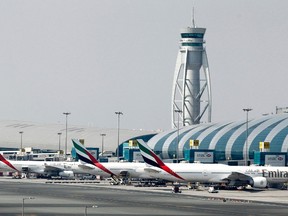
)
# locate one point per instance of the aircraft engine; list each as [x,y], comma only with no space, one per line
[259,182]
[66,174]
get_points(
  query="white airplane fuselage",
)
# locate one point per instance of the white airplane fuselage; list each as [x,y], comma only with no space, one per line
[135,170]
[42,167]
[219,173]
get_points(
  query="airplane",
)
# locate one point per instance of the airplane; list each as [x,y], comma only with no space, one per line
[254,176]
[44,168]
[110,169]
[87,165]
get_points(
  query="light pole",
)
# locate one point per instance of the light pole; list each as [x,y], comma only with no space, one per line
[23,203]
[21,143]
[93,206]
[118,126]
[59,134]
[247,110]
[177,152]
[102,149]
[66,113]
[21,134]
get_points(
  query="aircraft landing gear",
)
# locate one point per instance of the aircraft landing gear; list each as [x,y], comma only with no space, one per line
[176,189]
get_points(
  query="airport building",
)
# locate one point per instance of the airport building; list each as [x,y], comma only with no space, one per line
[228,142]
[224,142]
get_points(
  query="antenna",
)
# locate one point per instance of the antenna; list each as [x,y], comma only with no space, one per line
[193,20]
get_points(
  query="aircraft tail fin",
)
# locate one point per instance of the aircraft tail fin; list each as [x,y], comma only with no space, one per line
[152,159]
[85,156]
[7,162]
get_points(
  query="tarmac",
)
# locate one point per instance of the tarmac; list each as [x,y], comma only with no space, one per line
[271,196]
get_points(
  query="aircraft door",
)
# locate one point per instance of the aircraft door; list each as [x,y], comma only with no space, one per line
[206,174]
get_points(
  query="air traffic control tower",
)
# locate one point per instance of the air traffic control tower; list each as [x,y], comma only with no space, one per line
[191,93]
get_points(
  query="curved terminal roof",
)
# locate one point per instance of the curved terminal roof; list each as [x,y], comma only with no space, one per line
[45,136]
[227,139]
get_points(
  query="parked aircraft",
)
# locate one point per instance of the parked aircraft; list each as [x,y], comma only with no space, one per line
[255,176]
[111,169]
[45,168]
[87,165]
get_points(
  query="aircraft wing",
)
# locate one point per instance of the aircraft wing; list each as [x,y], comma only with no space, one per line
[86,167]
[238,178]
[49,168]
[152,170]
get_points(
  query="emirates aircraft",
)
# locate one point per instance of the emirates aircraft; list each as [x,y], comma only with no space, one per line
[45,168]
[110,169]
[255,176]
[87,165]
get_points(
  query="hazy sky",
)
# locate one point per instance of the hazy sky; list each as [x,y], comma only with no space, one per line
[92,58]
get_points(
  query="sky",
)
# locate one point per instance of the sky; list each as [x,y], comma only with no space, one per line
[95,57]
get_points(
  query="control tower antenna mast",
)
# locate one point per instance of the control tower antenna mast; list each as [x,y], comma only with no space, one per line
[191,91]
[193,19]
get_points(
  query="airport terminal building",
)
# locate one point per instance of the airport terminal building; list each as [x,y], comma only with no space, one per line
[227,141]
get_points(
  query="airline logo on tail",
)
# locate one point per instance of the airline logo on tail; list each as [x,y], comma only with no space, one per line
[152,159]
[87,157]
[7,162]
